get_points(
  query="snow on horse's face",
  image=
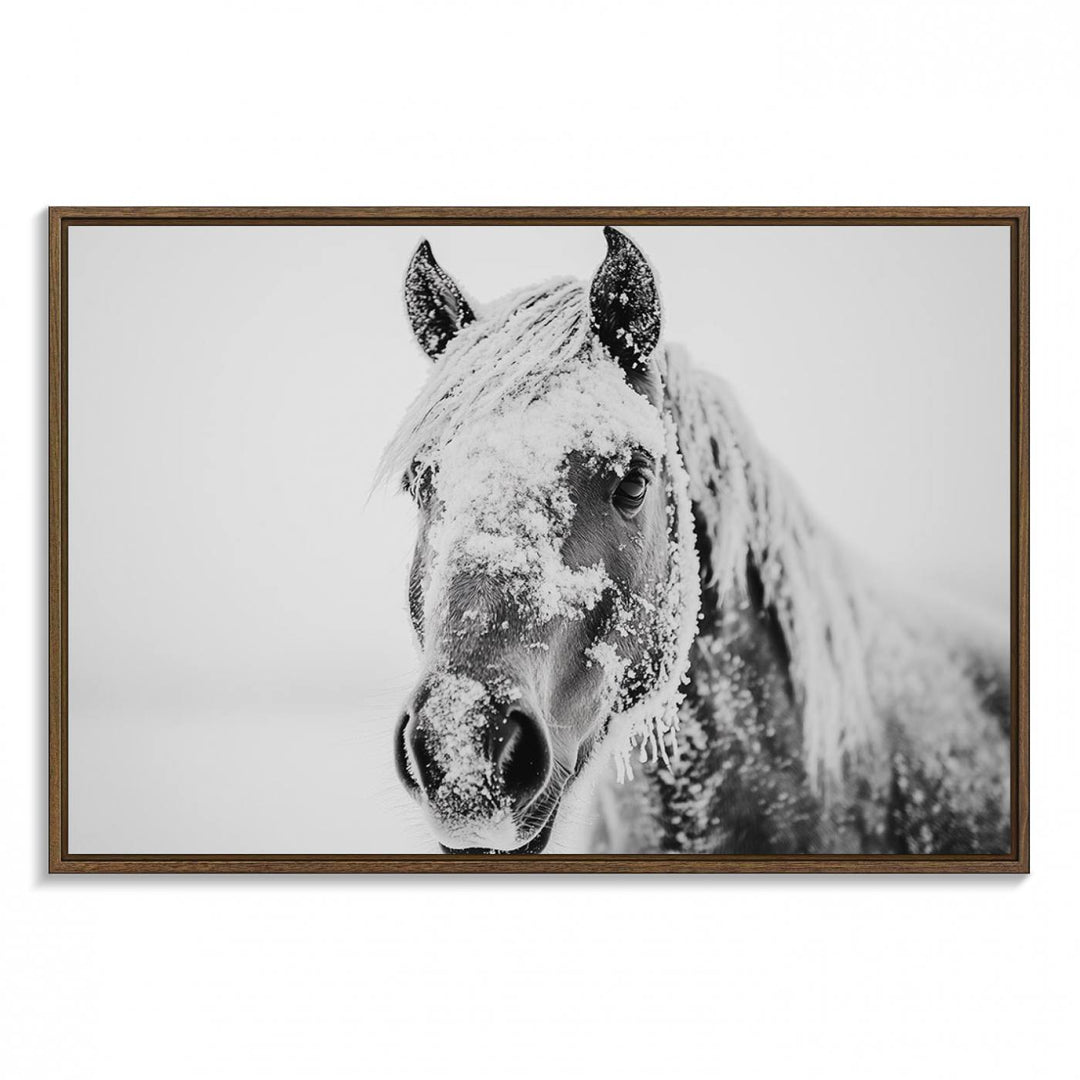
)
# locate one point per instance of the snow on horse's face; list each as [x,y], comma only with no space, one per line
[541,587]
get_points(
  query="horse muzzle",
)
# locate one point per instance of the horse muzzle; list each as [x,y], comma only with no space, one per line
[480,766]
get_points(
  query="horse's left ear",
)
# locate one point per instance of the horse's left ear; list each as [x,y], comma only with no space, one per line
[436,308]
[625,307]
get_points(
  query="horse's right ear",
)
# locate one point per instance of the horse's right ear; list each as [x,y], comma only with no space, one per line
[436,308]
[625,308]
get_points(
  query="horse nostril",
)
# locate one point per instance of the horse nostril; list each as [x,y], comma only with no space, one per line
[519,748]
[401,753]
[415,765]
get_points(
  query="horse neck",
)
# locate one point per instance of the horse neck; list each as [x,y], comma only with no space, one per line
[741,645]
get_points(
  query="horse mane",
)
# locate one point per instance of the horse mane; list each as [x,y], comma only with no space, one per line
[750,507]
[515,345]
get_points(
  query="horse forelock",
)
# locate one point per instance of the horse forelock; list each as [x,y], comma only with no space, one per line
[513,348]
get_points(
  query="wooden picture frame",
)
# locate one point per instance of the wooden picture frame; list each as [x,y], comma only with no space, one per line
[61,219]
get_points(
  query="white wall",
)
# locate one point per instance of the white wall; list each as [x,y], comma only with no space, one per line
[478,103]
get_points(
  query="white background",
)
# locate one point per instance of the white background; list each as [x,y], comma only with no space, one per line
[238,643]
[604,103]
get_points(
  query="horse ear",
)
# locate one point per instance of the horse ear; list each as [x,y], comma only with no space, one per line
[436,308]
[625,307]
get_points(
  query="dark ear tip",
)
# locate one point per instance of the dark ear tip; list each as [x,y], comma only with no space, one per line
[423,251]
[613,237]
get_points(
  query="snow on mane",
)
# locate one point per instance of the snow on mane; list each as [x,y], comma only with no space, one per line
[749,504]
[507,354]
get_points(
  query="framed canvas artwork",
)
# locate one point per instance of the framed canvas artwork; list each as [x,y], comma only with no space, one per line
[538,539]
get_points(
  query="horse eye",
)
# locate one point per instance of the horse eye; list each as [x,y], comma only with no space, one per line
[630,493]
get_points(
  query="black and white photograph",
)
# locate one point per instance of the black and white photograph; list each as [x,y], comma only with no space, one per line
[611,539]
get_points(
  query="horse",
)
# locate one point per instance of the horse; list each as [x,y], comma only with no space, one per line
[624,605]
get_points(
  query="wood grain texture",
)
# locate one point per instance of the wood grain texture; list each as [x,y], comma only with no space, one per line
[534,864]
[57,542]
[61,860]
[1021,569]
[538,215]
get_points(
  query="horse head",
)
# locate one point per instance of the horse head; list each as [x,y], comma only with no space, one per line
[553,588]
